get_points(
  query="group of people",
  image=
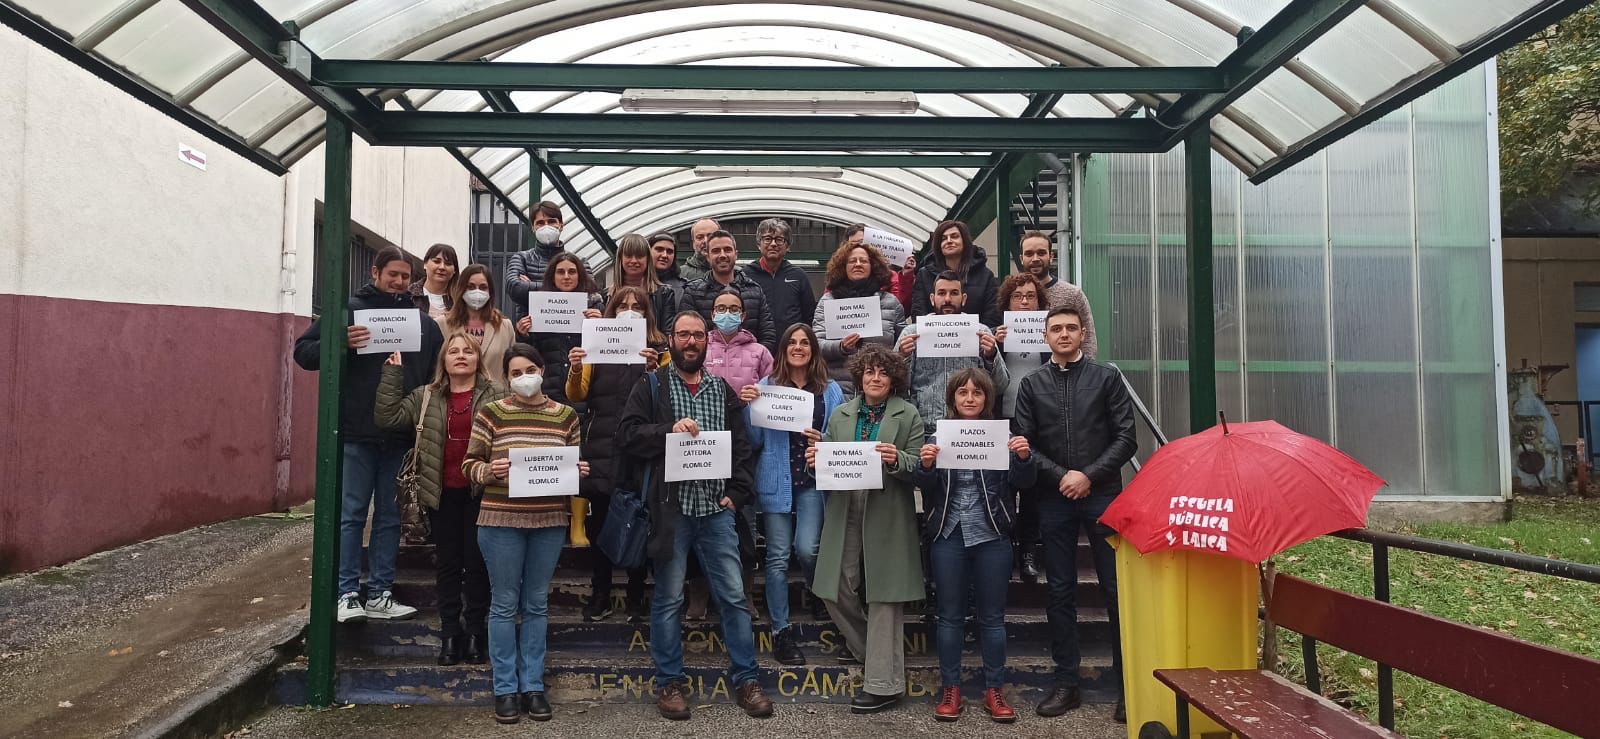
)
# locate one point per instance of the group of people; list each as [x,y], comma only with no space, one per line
[483,384]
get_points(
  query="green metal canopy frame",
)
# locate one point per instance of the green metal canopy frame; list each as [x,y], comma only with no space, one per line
[353,93]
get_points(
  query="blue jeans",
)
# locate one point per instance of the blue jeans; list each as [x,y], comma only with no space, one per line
[521,563]
[984,571]
[368,477]
[800,534]
[715,542]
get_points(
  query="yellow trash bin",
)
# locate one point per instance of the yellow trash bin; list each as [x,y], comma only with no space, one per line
[1181,609]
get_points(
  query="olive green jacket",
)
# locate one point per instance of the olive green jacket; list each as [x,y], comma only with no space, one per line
[396,410]
[890,546]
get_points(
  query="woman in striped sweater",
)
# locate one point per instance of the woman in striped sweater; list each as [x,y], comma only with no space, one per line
[521,538]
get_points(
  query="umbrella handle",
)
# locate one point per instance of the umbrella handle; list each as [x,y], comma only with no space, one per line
[1224,418]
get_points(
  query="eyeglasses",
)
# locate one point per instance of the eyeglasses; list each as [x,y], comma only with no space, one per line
[723,310]
[689,335]
[771,240]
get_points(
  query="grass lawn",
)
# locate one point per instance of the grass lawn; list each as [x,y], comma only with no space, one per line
[1547,610]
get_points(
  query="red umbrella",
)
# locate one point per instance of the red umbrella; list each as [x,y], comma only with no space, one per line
[1247,491]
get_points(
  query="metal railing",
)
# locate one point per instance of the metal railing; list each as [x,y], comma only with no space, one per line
[1382,542]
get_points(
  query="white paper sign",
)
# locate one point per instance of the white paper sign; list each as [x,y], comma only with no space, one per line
[844,316]
[557,313]
[1025,331]
[782,408]
[896,248]
[543,471]
[973,445]
[613,340]
[849,465]
[955,335]
[392,329]
[708,456]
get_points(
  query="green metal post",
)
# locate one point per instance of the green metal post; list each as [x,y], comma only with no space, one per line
[333,268]
[1202,308]
[535,178]
[1005,232]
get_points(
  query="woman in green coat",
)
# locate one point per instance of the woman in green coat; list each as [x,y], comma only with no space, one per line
[460,389]
[867,579]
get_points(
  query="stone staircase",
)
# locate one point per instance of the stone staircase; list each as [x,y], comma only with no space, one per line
[609,661]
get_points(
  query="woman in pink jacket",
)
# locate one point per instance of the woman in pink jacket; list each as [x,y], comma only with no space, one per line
[732,352]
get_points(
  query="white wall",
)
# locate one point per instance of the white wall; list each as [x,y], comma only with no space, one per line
[412,198]
[96,205]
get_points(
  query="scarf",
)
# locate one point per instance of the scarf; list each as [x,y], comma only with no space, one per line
[856,288]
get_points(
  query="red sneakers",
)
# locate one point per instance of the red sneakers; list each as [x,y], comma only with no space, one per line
[994,702]
[949,708]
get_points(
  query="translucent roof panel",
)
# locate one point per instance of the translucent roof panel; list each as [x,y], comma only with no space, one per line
[1376,54]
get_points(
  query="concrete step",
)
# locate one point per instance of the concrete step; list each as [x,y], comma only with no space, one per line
[630,680]
[1027,632]
[420,556]
[570,588]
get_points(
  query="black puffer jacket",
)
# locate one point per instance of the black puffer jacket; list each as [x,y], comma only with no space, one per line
[646,421]
[609,388]
[359,390]
[701,295]
[1079,418]
[981,287]
[553,348]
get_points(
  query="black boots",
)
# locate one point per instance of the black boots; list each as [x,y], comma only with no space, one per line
[535,705]
[1059,701]
[477,650]
[450,649]
[785,650]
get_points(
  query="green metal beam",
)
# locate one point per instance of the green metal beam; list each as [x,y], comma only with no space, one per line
[628,131]
[57,41]
[1005,229]
[574,200]
[697,159]
[1202,303]
[1288,33]
[278,47]
[1484,49]
[970,203]
[478,75]
[477,173]
[332,268]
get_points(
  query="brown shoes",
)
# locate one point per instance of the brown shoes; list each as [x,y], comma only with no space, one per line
[672,703]
[755,703]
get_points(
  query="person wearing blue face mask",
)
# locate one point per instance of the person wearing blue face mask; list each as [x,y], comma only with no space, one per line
[732,352]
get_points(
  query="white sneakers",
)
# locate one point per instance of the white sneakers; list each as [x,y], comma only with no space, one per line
[382,606]
[350,610]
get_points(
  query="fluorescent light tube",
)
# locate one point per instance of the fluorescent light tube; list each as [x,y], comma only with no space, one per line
[766,101]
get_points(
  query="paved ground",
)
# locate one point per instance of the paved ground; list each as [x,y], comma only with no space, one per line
[117,642]
[638,721]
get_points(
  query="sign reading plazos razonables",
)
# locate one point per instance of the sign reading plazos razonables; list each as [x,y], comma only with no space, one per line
[973,445]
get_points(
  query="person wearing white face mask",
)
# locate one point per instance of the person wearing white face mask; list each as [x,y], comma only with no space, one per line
[473,312]
[521,538]
[603,390]
[525,269]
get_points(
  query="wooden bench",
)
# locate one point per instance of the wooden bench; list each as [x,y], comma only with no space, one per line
[1547,685]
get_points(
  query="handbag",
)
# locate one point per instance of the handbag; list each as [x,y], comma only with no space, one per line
[625,537]
[414,526]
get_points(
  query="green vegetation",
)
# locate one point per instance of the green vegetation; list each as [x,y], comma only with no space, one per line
[1547,610]
[1550,111]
